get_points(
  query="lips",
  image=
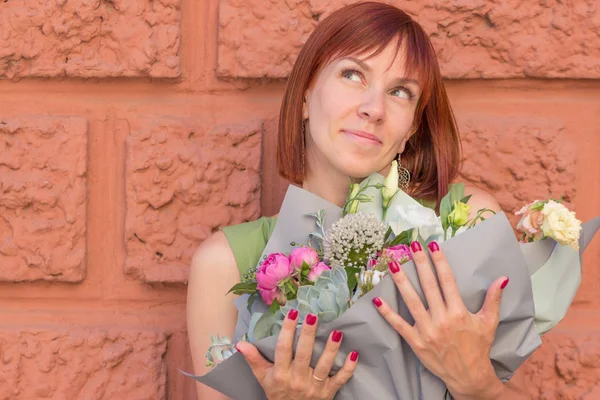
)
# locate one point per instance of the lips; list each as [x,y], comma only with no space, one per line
[363,134]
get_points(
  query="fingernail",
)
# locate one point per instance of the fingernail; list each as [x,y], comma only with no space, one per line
[292,314]
[434,246]
[504,284]
[394,266]
[416,247]
[354,356]
[377,301]
[311,319]
[238,349]
[337,336]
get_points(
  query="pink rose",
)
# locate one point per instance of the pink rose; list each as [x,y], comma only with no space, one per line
[531,221]
[317,270]
[273,270]
[269,295]
[400,253]
[303,254]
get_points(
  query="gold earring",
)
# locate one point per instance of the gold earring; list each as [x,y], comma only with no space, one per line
[403,176]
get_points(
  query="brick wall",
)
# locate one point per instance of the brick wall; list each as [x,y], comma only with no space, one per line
[130,130]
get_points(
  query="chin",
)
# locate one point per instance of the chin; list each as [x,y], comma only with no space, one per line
[359,169]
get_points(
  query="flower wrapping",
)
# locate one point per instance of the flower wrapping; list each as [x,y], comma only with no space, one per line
[388,368]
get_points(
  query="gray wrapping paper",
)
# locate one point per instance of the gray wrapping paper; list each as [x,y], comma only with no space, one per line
[387,367]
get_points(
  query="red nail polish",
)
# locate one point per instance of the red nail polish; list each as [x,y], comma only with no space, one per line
[377,301]
[238,349]
[416,247]
[311,319]
[394,266]
[504,284]
[292,314]
[337,336]
[354,356]
[434,246]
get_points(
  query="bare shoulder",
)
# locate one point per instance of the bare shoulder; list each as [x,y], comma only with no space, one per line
[212,252]
[481,198]
[213,271]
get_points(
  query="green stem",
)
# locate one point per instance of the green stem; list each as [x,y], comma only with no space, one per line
[384,213]
[291,287]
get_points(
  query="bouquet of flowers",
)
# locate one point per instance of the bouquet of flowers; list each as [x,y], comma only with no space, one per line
[331,262]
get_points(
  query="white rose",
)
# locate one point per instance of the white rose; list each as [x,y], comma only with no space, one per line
[423,219]
[561,225]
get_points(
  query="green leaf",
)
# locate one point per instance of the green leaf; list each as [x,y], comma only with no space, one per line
[538,206]
[305,266]
[388,234]
[274,307]
[445,210]
[466,199]
[351,272]
[243,287]
[402,238]
[457,192]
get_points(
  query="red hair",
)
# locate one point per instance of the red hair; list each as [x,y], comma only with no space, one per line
[432,154]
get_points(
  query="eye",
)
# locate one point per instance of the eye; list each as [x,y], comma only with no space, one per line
[403,92]
[352,74]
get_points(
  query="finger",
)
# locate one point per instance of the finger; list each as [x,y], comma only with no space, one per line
[327,358]
[446,278]
[255,360]
[491,305]
[409,295]
[428,281]
[306,342]
[406,330]
[342,376]
[285,341]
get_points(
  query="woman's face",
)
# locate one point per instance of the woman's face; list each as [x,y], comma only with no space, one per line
[360,113]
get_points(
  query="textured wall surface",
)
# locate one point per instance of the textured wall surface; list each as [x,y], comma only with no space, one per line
[43,198]
[83,364]
[130,130]
[475,39]
[89,38]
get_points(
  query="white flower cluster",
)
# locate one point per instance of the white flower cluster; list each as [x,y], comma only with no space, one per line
[353,240]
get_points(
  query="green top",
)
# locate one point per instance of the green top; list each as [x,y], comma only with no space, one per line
[249,239]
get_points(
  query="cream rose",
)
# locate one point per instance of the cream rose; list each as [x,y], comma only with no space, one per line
[561,225]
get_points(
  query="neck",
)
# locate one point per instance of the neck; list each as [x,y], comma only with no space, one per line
[333,189]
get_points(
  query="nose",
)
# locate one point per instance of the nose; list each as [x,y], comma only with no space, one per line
[372,106]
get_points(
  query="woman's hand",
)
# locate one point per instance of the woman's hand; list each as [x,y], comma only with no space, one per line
[293,378]
[450,341]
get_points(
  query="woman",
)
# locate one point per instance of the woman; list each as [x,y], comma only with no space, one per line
[365,89]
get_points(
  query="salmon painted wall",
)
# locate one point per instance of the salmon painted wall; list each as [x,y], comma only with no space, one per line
[132,129]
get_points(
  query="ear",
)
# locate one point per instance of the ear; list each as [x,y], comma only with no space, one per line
[403,144]
[305,105]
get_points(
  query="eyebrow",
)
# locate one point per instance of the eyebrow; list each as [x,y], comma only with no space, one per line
[364,66]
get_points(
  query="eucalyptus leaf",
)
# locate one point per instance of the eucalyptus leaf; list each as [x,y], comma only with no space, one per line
[251,300]
[264,326]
